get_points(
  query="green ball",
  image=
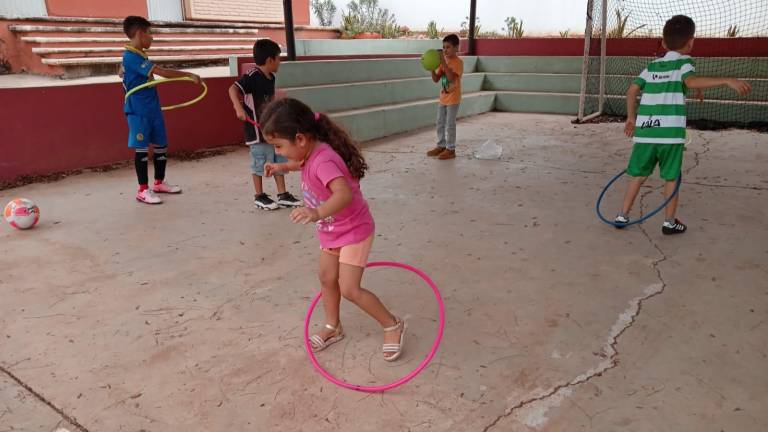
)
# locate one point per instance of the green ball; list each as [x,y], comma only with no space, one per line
[430,60]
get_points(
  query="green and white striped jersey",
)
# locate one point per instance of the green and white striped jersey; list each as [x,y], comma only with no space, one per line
[661,114]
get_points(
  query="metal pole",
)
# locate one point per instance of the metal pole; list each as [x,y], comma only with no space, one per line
[290,37]
[603,56]
[585,62]
[472,18]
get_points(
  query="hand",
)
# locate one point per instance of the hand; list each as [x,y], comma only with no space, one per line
[629,128]
[741,87]
[698,94]
[271,169]
[196,78]
[121,72]
[279,94]
[240,113]
[304,215]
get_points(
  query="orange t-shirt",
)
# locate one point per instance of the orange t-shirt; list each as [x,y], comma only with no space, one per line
[450,94]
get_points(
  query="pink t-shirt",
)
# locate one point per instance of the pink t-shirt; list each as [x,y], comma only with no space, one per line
[352,224]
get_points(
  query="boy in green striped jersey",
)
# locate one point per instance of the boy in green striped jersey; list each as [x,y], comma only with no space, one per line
[658,125]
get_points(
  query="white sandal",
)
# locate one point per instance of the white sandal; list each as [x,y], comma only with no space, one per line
[319,344]
[396,348]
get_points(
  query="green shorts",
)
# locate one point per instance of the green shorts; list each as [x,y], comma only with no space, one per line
[644,158]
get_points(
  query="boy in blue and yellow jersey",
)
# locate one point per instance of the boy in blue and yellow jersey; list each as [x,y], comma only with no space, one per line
[142,109]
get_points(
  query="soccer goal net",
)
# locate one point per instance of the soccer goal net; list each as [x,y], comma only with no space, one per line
[731,40]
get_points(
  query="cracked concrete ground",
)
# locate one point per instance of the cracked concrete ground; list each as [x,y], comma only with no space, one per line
[187,316]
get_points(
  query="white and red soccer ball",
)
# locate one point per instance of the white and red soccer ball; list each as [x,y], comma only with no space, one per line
[21,213]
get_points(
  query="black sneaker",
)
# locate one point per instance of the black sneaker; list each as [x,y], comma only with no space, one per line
[264,202]
[286,199]
[673,228]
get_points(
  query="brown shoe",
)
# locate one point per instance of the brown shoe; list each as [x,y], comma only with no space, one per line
[447,154]
[435,151]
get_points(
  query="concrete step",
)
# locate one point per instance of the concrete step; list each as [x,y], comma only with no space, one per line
[533,82]
[349,96]
[117,60]
[75,41]
[535,102]
[61,52]
[52,20]
[727,111]
[530,64]
[380,121]
[119,30]
[618,85]
[737,67]
[324,72]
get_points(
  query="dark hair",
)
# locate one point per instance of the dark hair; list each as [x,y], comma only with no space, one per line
[133,23]
[678,31]
[452,39]
[288,117]
[265,49]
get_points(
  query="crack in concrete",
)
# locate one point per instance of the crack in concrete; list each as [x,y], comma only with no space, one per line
[73,421]
[610,351]
[754,188]
[634,311]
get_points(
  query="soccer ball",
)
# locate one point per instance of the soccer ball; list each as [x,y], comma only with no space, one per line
[21,213]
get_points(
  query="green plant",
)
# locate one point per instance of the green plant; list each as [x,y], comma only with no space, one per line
[514,28]
[365,16]
[565,33]
[621,26]
[464,32]
[350,25]
[432,31]
[324,10]
[733,31]
[490,34]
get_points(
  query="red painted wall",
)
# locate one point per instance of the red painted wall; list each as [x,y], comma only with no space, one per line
[704,47]
[84,126]
[96,8]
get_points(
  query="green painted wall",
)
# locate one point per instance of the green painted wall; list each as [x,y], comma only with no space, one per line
[376,98]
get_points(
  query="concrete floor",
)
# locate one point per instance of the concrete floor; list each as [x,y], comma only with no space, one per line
[187,316]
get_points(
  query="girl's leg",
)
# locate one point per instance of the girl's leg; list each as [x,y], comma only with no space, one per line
[328,274]
[349,282]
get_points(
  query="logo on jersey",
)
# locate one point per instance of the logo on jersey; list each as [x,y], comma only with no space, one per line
[650,123]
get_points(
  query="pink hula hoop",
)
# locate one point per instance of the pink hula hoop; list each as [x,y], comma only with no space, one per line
[413,373]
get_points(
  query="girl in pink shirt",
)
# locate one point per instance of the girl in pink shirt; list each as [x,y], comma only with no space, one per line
[331,167]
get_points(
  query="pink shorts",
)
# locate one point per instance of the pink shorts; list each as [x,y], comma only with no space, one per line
[354,254]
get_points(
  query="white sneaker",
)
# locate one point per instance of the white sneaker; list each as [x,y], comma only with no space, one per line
[166,188]
[621,221]
[148,197]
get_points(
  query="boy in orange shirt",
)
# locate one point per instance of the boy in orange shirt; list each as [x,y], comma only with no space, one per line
[449,74]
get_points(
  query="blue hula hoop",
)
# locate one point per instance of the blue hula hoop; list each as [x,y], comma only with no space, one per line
[613,180]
